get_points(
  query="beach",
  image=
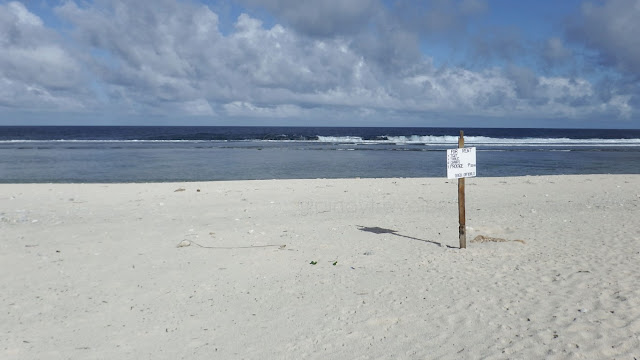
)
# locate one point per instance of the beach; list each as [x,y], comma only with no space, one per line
[322,269]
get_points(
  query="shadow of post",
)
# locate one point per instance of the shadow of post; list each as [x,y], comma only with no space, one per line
[379,230]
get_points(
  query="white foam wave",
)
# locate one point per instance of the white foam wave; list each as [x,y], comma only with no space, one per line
[480,140]
[427,140]
[343,139]
[103,141]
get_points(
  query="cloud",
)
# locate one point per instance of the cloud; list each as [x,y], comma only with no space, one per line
[248,110]
[145,54]
[392,50]
[326,18]
[387,34]
[525,81]
[554,51]
[610,29]
[170,58]
[171,52]
[437,17]
[36,71]
[496,46]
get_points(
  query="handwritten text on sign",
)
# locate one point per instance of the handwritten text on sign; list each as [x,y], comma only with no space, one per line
[461,163]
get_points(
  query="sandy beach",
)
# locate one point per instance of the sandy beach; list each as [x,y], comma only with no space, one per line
[322,269]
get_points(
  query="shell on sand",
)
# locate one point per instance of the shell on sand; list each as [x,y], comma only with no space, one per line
[483,239]
[184,243]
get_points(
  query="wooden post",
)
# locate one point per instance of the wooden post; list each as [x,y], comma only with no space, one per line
[462,231]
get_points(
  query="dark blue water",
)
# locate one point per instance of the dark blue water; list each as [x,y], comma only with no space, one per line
[142,154]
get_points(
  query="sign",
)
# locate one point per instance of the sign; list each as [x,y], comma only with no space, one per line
[461,163]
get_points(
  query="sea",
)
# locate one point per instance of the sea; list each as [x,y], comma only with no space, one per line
[110,154]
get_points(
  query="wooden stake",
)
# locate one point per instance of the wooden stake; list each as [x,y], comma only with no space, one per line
[462,231]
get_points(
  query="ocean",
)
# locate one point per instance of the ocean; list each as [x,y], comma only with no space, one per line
[88,154]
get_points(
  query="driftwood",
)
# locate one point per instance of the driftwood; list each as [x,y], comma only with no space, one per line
[185,243]
[483,239]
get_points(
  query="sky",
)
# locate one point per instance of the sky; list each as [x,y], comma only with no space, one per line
[473,63]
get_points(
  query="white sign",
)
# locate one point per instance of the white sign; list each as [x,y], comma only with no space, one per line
[461,163]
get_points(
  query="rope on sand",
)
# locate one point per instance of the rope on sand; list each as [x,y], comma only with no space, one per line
[185,243]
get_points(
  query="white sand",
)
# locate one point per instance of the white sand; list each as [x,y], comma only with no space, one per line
[93,271]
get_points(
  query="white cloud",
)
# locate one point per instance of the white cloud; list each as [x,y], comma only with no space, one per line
[198,107]
[22,15]
[437,17]
[325,18]
[249,110]
[555,52]
[170,58]
[36,71]
[611,28]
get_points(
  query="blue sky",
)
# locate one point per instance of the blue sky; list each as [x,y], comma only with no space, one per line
[474,63]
